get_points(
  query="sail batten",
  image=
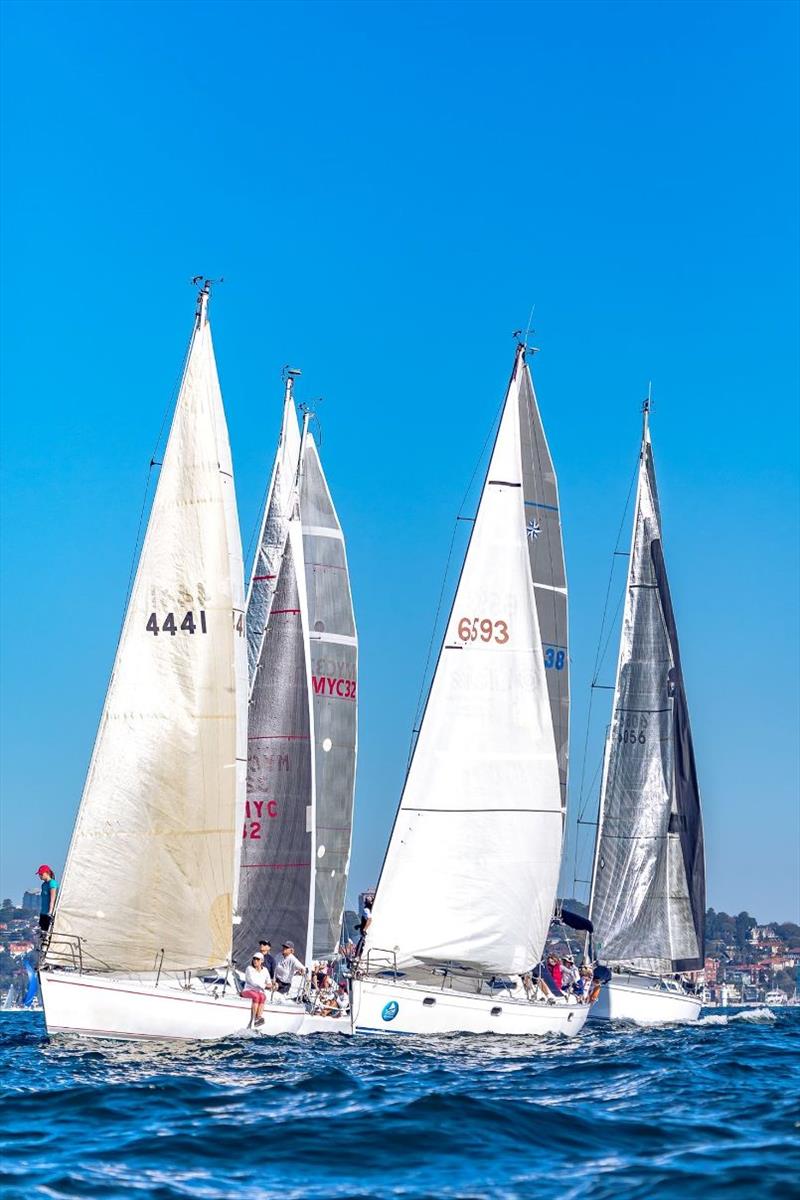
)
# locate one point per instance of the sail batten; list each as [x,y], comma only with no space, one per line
[479,825]
[648,880]
[150,873]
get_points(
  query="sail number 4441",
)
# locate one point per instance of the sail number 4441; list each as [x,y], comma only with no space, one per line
[188,624]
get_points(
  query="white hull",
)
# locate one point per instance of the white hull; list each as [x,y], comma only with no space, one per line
[313,1023]
[643,999]
[387,1006]
[116,1007]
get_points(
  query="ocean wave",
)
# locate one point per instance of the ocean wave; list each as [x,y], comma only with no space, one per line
[690,1111]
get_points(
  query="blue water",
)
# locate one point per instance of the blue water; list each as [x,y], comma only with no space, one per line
[707,1110]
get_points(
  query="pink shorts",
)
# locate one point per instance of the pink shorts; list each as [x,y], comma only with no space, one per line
[253,994]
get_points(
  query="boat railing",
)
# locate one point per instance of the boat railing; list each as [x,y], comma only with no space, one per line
[377,961]
[64,950]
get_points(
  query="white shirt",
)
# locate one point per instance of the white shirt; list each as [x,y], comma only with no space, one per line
[255,977]
[286,967]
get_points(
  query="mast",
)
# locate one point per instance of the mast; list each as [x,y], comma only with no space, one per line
[296,534]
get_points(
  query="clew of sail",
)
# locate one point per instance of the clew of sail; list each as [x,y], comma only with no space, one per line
[472,865]
[150,874]
[546,547]
[334,670]
[648,882]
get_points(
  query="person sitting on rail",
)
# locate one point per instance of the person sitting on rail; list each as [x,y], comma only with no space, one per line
[257,984]
[569,974]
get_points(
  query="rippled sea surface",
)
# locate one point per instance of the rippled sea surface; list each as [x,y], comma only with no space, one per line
[706,1110]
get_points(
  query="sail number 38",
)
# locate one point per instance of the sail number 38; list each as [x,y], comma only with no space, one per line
[472,628]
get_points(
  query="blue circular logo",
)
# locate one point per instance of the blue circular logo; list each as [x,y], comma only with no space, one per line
[390,1010]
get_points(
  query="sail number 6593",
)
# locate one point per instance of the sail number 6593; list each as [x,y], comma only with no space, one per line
[472,628]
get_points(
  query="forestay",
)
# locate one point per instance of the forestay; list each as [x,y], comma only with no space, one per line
[150,875]
[334,671]
[472,865]
[648,887]
[546,547]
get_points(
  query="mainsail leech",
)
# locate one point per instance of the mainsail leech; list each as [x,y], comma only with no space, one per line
[648,881]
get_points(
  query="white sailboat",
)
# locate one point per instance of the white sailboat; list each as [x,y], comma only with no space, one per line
[149,889]
[302,727]
[647,900]
[468,883]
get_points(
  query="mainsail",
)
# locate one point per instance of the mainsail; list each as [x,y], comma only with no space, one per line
[334,668]
[472,866]
[648,882]
[151,873]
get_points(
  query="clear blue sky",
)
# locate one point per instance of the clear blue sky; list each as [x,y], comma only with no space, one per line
[387,189]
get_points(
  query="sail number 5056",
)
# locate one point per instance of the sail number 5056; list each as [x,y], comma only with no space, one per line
[472,628]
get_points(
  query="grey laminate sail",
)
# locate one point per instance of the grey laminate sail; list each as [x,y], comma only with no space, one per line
[546,547]
[334,666]
[278,835]
[648,884]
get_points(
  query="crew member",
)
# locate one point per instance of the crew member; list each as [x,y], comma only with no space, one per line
[287,966]
[49,893]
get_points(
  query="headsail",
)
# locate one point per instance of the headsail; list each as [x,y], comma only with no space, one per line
[478,830]
[648,883]
[277,861]
[151,866]
[546,546]
[277,867]
[334,668]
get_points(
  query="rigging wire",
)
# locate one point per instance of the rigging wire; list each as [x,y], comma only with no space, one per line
[154,462]
[459,517]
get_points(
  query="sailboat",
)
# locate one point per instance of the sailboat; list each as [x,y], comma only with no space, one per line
[302,726]
[468,883]
[149,890]
[647,900]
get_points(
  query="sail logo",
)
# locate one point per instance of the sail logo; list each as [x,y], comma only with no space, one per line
[257,809]
[390,1010]
[326,685]
[534,529]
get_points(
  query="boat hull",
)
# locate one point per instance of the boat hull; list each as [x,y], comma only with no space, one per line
[387,1006]
[128,1009]
[642,999]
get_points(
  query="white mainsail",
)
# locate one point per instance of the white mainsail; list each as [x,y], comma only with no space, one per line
[334,673]
[151,873]
[472,866]
[648,880]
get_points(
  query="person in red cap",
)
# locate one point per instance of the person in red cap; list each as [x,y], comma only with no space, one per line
[49,893]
